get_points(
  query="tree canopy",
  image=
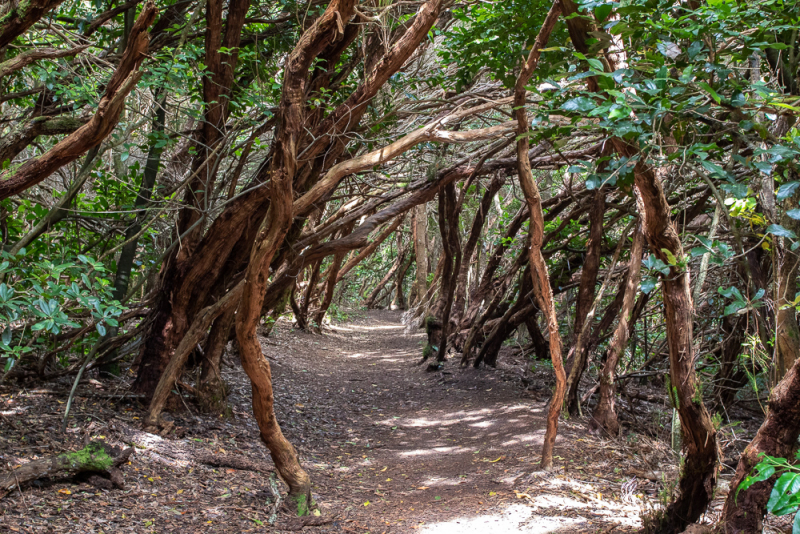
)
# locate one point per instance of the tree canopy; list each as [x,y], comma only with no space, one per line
[616,182]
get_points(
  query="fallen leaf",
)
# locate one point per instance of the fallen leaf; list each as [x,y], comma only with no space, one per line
[65,491]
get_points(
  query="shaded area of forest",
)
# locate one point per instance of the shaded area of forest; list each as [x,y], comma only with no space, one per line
[594,203]
[409,451]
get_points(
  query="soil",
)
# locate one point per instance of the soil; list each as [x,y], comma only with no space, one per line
[389,446]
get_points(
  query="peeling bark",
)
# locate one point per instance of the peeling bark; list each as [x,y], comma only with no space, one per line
[604,414]
[541,279]
[91,134]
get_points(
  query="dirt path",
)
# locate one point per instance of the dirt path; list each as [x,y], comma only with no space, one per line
[390,448]
[407,450]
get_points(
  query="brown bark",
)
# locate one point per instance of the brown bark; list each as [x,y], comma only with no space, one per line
[22,16]
[26,58]
[111,13]
[26,133]
[271,234]
[506,325]
[779,431]
[96,457]
[369,249]
[399,301]
[420,237]
[330,285]
[178,359]
[471,245]
[699,475]
[302,319]
[581,345]
[451,244]
[221,56]
[604,414]
[372,299]
[541,279]
[744,510]
[211,387]
[787,334]
[577,360]
[485,287]
[99,126]
[591,264]
[729,378]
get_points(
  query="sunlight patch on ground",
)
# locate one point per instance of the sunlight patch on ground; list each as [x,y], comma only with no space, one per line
[536,437]
[516,518]
[436,450]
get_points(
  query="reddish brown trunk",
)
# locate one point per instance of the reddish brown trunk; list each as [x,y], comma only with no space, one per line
[470,247]
[699,475]
[398,261]
[779,431]
[91,134]
[302,319]
[212,388]
[420,236]
[22,16]
[591,266]
[448,224]
[604,414]
[329,287]
[399,301]
[541,279]
[744,510]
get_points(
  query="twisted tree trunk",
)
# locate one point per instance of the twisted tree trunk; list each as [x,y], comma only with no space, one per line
[604,414]
[541,279]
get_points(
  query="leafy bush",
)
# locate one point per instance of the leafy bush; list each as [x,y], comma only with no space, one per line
[42,303]
[785,496]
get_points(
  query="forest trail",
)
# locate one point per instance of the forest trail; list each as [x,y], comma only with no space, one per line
[390,448]
[412,451]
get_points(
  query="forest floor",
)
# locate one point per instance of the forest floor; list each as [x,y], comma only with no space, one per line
[390,448]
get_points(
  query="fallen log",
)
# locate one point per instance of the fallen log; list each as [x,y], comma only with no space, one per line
[234,461]
[96,457]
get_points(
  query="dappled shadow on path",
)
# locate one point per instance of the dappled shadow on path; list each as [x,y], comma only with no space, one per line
[392,448]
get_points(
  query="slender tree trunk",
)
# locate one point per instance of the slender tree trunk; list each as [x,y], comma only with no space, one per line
[471,245]
[319,315]
[604,414]
[302,320]
[128,252]
[699,475]
[372,299]
[399,301]
[485,288]
[541,279]
[448,224]
[744,510]
[573,381]
[420,236]
[787,335]
[591,266]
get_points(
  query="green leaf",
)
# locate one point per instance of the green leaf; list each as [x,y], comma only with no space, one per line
[786,190]
[580,103]
[100,329]
[778,230]
[648,284]
[602,12]
[596,64]
[710,91]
